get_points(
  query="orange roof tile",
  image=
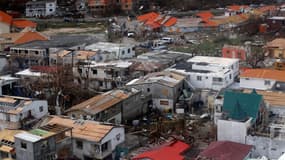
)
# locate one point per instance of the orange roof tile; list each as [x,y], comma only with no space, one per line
[205,15]
[264,74]
[22,37]
[237,7]
[88,130]
[4,17]
[170,22]
[147,17]
[21,23]
[30,36]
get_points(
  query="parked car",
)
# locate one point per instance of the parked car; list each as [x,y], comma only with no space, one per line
[168,40]
[131,34]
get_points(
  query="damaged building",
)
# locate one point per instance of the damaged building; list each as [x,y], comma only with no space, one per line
[116,106]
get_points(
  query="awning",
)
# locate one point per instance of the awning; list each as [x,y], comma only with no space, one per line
[6,149]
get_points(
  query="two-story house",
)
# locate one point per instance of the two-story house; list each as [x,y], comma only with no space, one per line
[115,106]
[91,140]
[41,8]
[102,76]
[164,87]
[204,72]
[20,112]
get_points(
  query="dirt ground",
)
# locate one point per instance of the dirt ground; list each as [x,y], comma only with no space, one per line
[51,32]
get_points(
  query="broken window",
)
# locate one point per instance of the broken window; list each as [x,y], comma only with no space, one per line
[163,102]
[266,82]
[41,108]
[105,147]
[95,71]
[23,145]
[217,79]
[199,78]
[79,144]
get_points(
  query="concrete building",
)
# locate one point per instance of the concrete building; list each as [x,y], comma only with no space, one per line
[242,112]
[7,83]
[208,72]
[7,145]
[102,76]
[271,141]
[276,48]
[39,52]
[115,106]
[263,79]
[239,52]
[41,8]
[274,101]
[52,142]
[69,57]
[165,87]
[116,50]
[20,112]
[5,22]
[91,140]
[8,40]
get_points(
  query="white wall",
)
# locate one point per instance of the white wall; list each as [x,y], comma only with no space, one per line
[112,136]
[88,146]
[4,28]
[35,108]
[50,8]
[207,80]
[233,131]
[254,83]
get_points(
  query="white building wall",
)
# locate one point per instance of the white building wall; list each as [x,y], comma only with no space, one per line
[4,28]
[89,146]
[50,8]
[233,131]
[254,83]
[112,137]
[35,108]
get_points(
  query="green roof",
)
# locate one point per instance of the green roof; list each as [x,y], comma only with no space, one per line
[240,106]
[39,132]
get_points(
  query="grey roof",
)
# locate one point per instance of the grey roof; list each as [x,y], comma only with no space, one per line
[60,41]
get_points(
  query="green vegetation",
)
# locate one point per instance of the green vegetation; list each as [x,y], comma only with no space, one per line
[46,25]
[211,47]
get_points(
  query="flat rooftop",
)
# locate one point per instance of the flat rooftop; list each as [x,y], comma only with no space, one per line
[218,61]
[166,78]
[107,46]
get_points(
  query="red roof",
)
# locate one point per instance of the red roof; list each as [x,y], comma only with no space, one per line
[225,150]
[237,7]
[170,22]
[4,17]
[151,16]
[155,20]
[45,69]
[29,37]
[22,23]
[205,15]
[169,152]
